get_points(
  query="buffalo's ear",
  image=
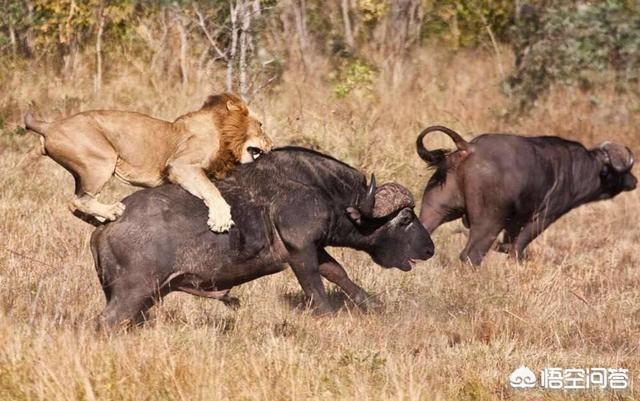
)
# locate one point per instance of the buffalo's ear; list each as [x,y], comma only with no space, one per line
[354,215]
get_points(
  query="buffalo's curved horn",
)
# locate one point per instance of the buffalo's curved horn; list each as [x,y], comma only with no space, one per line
[366,204]
[619,157]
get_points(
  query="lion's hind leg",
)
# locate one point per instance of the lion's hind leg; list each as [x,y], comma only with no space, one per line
[92,165]
[88,204]
[88,186]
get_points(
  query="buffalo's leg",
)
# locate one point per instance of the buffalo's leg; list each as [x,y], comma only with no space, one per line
[125,312]
[511,232]
[528,233]
[128,302]
[305,265]
[334,272]
[487,218]
[484,229]
[481,237]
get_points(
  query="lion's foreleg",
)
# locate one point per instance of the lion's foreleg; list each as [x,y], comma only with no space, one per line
[193,179]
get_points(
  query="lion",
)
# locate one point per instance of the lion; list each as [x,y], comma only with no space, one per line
[148,152]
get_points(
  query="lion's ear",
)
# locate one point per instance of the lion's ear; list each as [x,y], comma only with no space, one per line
[231,106]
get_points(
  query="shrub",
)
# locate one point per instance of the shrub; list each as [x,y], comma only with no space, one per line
[574,45]
[464,23]
[352,75]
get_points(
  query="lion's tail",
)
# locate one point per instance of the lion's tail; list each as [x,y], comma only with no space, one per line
[35,125]
[436,157]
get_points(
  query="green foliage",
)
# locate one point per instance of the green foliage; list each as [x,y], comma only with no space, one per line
[372,11]
[353,75]
[575,45]
[62,22]
[558,41]
[54,28]
[464,23]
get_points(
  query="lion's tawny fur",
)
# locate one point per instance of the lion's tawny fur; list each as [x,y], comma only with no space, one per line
[145,151]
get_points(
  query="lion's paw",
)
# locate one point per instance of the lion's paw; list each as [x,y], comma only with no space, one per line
[220,218]
[114,211]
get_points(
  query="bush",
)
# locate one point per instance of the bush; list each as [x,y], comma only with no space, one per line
[352,75]
[574,45]
[464,23]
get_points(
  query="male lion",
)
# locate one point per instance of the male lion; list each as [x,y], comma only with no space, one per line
[144,151]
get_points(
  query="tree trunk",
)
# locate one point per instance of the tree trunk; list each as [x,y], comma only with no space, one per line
[12,39]
[159,47]
[245,38]
[348,33]
[399,18]
[69,39]
[184,50]
[28,42]
[97,82]
[234,44]
[301,26]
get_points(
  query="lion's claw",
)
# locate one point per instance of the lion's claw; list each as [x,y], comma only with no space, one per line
[114,211]
[220,227]
[220,219]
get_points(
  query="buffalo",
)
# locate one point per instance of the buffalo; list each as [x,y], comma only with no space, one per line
[517,184]
[288,206]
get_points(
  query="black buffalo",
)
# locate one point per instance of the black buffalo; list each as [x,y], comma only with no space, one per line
[288,206]
[517,184]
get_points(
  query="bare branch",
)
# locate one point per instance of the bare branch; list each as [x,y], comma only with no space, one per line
[202,24]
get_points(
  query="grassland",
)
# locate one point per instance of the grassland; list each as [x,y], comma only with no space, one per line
[445,332]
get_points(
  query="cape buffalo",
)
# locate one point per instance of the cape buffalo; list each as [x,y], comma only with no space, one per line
[288,206]
[517,184]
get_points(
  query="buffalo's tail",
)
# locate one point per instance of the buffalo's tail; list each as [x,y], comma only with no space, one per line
[437,157]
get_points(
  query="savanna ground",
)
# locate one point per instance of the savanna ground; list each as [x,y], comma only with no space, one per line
[445,332]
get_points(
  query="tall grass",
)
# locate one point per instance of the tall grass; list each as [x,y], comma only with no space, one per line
[445,332]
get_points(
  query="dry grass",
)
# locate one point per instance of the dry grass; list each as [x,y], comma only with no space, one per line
[446,332]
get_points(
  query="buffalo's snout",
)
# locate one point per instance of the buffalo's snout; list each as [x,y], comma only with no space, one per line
[630,182]
[400,242]
[428,250]
[422,247]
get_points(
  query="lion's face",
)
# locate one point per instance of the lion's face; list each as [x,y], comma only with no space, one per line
[257,143]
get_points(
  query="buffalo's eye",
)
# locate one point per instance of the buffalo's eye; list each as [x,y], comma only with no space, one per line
[405,218]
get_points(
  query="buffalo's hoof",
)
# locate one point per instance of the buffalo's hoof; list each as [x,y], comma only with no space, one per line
[370,304]
[322,310]
[503,248]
